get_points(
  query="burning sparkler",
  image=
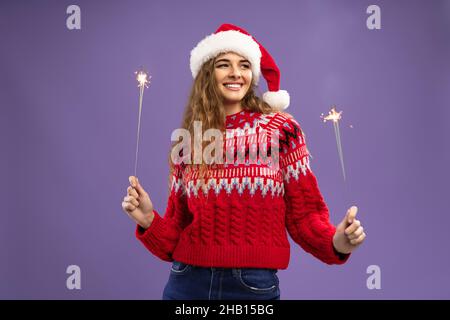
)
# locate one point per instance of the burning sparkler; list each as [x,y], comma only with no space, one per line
[143,80]
[335,117]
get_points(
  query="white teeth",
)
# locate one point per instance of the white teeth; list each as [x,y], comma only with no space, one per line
[233,85]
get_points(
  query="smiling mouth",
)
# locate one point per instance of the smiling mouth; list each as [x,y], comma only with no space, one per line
[233,87]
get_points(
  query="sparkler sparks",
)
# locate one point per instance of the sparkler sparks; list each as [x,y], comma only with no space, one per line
[143,78]
[335,116]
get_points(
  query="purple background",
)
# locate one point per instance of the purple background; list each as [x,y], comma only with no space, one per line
[68,133]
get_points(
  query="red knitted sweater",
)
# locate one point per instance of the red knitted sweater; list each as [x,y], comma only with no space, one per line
[238,218]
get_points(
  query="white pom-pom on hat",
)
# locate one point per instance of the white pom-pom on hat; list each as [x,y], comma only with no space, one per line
[277,99]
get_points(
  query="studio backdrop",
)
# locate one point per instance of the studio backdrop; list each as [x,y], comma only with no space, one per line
[69,111]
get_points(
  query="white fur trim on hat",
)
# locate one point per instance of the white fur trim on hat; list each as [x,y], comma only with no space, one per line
[225,41]
[278,100]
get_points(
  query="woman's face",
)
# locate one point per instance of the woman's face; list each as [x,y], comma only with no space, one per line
[233,75]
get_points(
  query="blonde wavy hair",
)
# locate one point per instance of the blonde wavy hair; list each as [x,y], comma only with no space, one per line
[205,105]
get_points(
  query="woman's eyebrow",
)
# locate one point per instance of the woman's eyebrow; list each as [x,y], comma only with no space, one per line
[226,60]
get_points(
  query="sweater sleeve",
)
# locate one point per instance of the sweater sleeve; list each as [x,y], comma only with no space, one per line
[163,234]
[307,215]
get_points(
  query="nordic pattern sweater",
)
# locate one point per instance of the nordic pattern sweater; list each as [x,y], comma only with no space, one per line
[238,215]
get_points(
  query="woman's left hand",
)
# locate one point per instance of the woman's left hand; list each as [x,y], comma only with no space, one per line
[349,233]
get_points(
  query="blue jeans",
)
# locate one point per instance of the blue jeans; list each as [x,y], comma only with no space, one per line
[188,282]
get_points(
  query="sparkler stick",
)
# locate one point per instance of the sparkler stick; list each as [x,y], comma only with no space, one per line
[335,117]
[142,78]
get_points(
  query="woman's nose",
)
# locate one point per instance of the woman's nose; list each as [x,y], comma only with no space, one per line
[235,72]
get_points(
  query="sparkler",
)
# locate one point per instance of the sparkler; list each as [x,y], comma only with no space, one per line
[143,80]
[335,117]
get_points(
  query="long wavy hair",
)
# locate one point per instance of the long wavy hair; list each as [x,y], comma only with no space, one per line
[205,104]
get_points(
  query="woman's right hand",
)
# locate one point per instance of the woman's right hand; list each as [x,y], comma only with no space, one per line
[137,204]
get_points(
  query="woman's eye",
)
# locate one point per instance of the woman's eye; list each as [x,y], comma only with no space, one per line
[246,65]
[222,65]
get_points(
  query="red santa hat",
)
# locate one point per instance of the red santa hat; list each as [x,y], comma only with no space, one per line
[232,38]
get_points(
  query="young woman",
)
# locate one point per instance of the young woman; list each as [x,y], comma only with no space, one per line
[224,229]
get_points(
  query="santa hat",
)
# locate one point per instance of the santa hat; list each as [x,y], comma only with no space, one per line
[232,38]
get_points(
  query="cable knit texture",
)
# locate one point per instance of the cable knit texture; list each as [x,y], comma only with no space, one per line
[239,215]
